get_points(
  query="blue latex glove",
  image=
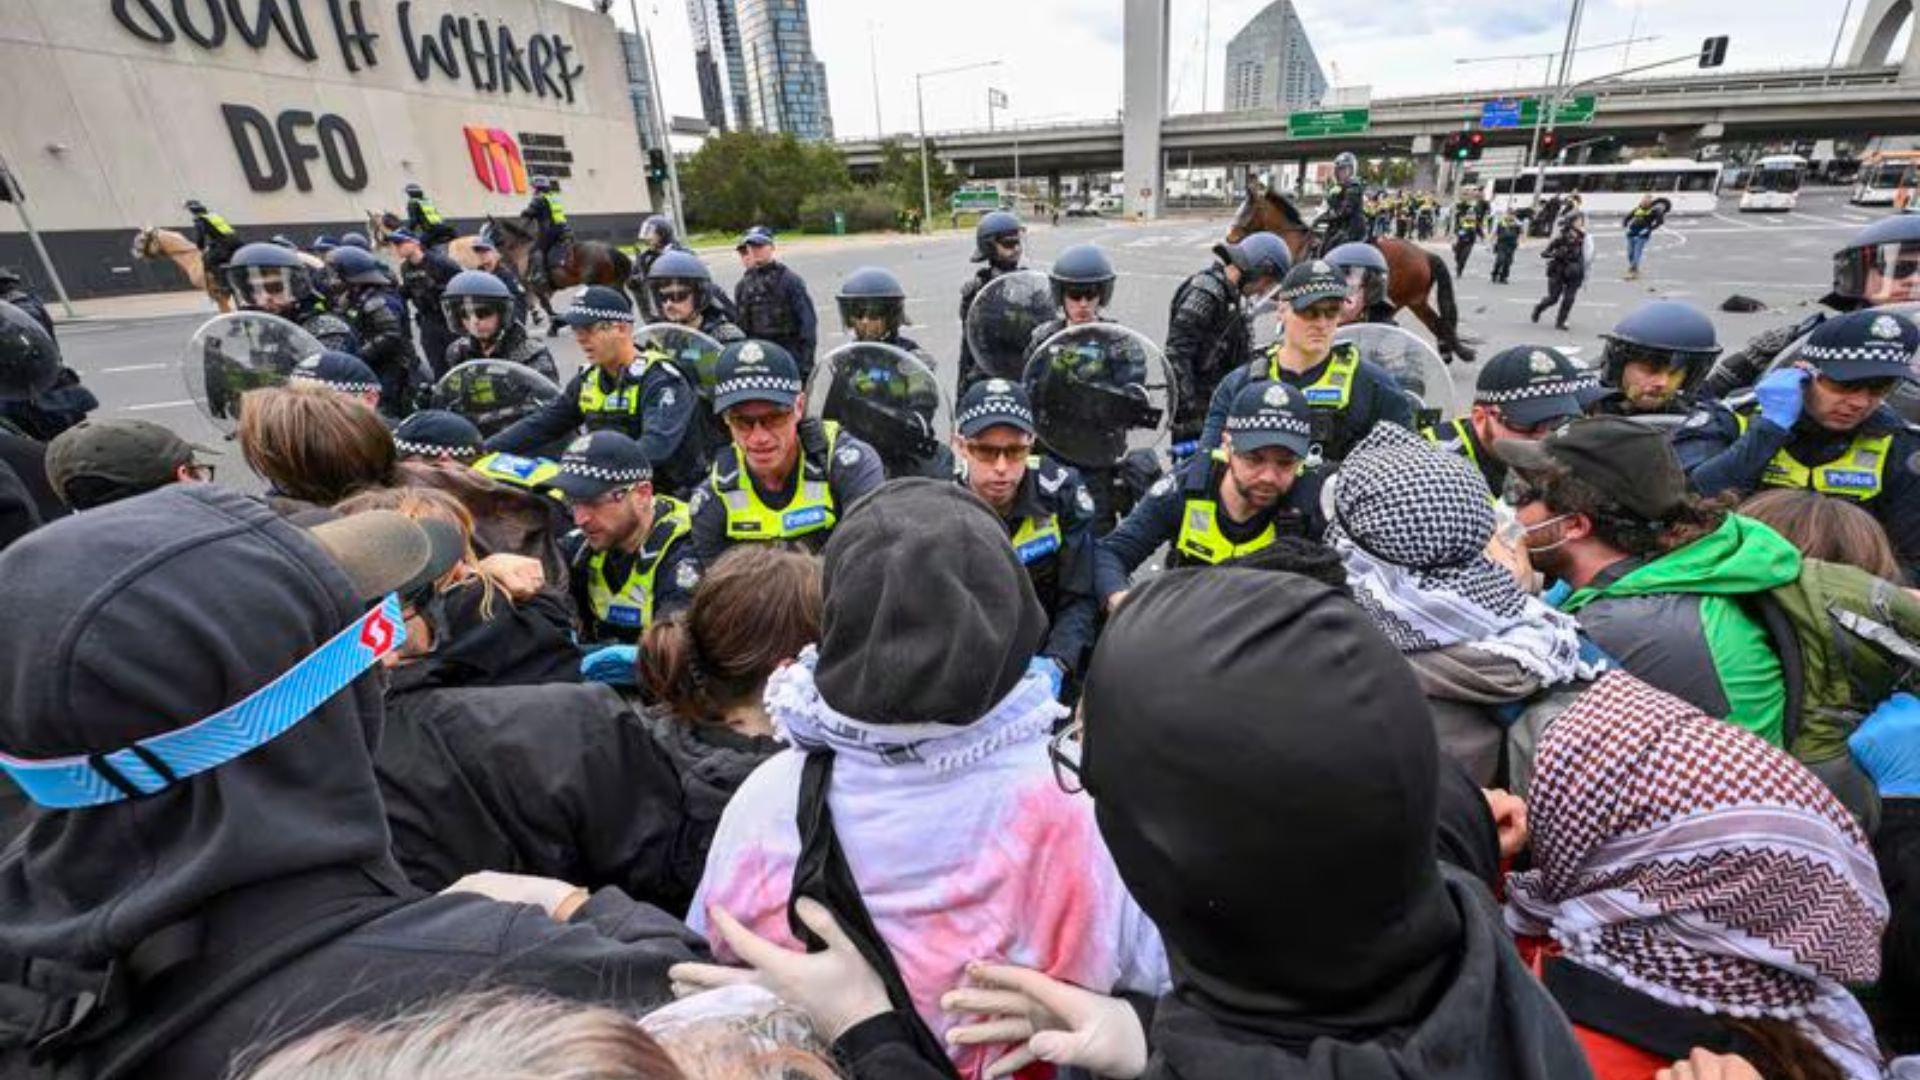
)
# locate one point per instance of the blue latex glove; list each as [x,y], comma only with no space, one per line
[1887,746]
[611,664]
[1780,395]
[1048,666]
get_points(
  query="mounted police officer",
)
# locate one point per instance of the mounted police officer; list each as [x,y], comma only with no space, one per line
[1468,227]
[1207,330]
[782,477]
[1231,502]
[1880,265]
[1365,270]
[1523,392]
[1823,424]
[479,307]
[998,242]
[873,307]
[773,301]
[373,307]
[217,241]
[1344,220]
[1046,510]
[618,389]
[1506,242]
[424,220]
[1654,360]
[548,219]
[630,556]
[489,260]
[1082,279]
[270,279]
[680,290]
[424,275]
[17,294]
[1347,394]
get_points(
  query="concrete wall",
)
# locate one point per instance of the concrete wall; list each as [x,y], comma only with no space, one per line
[108,130]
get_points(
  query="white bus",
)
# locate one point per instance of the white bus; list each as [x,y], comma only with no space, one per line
[1887,178]
[1773,183]
[1686,186]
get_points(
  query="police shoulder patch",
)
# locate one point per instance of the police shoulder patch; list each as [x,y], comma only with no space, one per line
[666,398]
[687,575]
[1913,463]
[1083,499]
[579,445]
[1699,419]
[1162,485]
[848,455]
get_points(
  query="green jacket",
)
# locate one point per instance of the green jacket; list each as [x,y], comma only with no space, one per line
[1685,622]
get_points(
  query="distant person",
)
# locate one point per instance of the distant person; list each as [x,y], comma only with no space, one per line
[1566,256]
[773,301]
[1506,242]
[1640,224]
[424,220]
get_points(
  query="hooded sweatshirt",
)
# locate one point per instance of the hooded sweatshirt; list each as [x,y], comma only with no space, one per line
[1683,622]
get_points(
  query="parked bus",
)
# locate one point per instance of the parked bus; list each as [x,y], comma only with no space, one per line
[1887,178]
[1773,183]
[1686,186]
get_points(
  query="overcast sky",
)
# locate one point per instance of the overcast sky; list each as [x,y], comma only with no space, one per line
[1060,59]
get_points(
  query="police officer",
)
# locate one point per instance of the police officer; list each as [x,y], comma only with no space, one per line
[1347,394]
[17,294]
[343,373]
[1823,423]
[873,307]
[1880,265]
[549,221]
[1047,512]
[371,305]
[773,301]
[424,275]
[1345,218]
[479,307]
[272,280]
[630,557]
[1082,279]
[649,400]
[1228,503]
[782,477]
[56,406]
[1522,392]
[1566,270]
[356,239]
[1207,330]
[438,435]
[489,260]
[998,242]
[657,238]
[1654,359]
[1468,228]
[1506,241]
[217,241]
[680,290]
[424,220]
[1365,270]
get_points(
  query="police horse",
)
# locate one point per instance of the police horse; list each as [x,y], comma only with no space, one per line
[381,223]
[152,242]
[1412,271]
[579,262]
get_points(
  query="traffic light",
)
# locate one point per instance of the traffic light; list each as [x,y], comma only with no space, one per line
[1476,145]
[657,165]
[1713,52]
[1548,143]
[1455,147]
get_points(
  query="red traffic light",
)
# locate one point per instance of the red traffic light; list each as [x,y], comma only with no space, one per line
[1477,138]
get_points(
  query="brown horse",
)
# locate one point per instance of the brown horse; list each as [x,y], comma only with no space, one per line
[581,262]
[1412,271]
[381,223]
[152,242]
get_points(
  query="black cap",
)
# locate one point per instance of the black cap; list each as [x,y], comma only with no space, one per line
[993,403]
[433,432]
[1532,384]
[1270,414]
[336,370]
[122,451]
[757,236]
[1870,344]
[755,371]
[599,304]
[598,463]
[1311,282]
[1627,460]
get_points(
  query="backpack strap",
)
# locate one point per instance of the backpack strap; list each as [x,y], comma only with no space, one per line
[1773,616]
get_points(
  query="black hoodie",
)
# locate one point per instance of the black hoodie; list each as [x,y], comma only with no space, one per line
[255,900]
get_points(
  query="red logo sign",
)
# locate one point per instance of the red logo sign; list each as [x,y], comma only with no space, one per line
[376,631]
[496,160]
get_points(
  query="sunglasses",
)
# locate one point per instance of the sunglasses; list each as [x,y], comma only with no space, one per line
[742,424]
[987,454]
[869,309]
[674,296]
[1082,292]
[1874,387]
[1063,750]
[1530,430]
[1326,311]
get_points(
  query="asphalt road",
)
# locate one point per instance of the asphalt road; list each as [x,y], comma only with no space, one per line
[1780,259]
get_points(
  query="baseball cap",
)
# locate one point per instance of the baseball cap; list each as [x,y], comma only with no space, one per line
[1532,385]
[402,236]
[755,237]
[1627,460]
[433,432]
[755,371]
[993,403]
[384,551]
[1870,344]
[598,304]
[126,452]
[1268,413]
[1311,282]
[335,370]
[600,462]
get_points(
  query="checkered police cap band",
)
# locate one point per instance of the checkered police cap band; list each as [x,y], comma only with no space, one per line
[406,447]
[335,384]
[1285,423]
[578,467]
[1557,388]
[1328,287]
[742,383]
[996,406]
[1891,353]
[600,314]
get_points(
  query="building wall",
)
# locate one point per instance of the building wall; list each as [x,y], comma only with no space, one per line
[118,112]
[1271,64]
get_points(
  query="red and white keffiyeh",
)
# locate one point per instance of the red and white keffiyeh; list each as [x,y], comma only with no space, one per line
[1696,863]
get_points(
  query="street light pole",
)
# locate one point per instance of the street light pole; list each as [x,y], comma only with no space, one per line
[920,109]
[19,200]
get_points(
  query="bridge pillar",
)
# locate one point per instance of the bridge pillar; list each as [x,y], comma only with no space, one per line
[1878,29]
[1053,188]
[1145,104]
[1426,172]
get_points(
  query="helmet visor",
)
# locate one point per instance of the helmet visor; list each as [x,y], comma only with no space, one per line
[861,314]
[476,316]
[680,293]
[269,288]
[1694,364]
[1879,273]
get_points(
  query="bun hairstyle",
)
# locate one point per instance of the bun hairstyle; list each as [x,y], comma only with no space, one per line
[754,610]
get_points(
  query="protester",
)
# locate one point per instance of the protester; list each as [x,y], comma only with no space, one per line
[96,462]
[1640,224]
[744,1033]
[314,447]
[247,868]
[1831,530]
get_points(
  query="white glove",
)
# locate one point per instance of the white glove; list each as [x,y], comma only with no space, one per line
[1058,1022]
[836,987]
[557,898]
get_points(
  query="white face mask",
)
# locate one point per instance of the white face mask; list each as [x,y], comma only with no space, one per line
[1530,529]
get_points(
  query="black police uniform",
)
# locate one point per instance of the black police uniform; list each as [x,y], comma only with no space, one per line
[386,346]
[851,468]
[774,306]
[23,298]
[970,372]
[1506,241]
[1115,490]
[1340,419]
[1467,230]
[515,287]
[513,343]
[1050,525]
[328,327]
[1346,215]
[423,285]
[425,222]
[1207,337]
[651,404]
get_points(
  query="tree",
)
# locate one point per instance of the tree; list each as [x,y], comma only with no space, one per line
[900,175]
[743,178]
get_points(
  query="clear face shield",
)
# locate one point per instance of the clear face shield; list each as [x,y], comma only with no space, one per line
[479,317]
[269,288]
[871,318]
[1365,288]
[1879,273]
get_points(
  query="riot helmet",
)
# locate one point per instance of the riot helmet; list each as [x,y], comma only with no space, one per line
[1366,272]
[414,191]
[1081,270]
[356,267]
[323,245]
[1257,255]
[268,277]
[283,240]
[1663,334]
[195,206]
[990,235]
[657,231]
[9,277]
[29,360]
[674,274]
[471,299]
[1345,167]
[356,240]
[872,293]
[1880,265]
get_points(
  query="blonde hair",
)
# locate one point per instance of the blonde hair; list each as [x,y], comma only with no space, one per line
[313,444]
[430,504]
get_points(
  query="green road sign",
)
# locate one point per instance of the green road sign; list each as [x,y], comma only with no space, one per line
[965,201]
[1577,110]
[1326,122]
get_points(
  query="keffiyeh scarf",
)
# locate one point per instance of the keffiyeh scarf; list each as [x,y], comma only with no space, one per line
[1697,864]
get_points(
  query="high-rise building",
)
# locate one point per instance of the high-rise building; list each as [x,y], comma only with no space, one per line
[786,87]
[1270,63]
[633,50]
[718,62]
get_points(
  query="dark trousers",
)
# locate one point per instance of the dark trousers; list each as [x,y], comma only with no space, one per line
[434,339]
[1461,250]
[1561,289]
[1502,263]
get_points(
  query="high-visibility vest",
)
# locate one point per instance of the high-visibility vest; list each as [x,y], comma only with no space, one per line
[811,509]
[1200,536]
[1858,474]
[630,606]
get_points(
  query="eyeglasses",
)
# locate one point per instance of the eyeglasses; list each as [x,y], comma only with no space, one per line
[1081,293]
[1064,751]
[988,453]
[1326,311]
[1872,387]
[605,498]
[200,472]
[742,424]
[674,296]
[1532,431]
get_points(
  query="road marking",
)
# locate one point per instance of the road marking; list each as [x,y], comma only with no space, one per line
[131,367]
[155,405]
[1756,228]
[1734,221]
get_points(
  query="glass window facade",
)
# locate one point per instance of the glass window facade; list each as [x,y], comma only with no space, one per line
[786,87]
[1271,64]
